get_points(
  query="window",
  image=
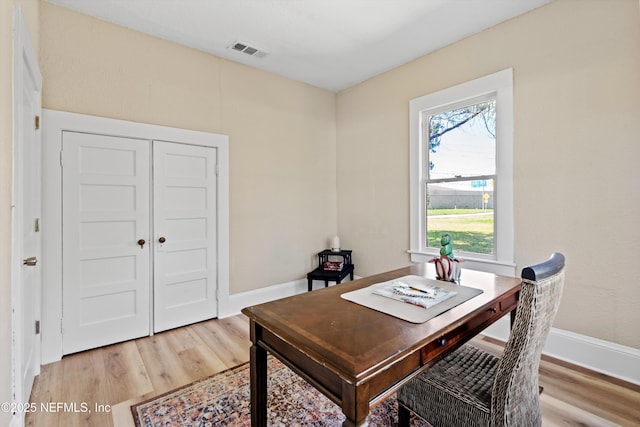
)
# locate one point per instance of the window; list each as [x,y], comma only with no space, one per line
[462,172]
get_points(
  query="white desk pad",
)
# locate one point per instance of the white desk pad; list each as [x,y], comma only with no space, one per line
[415,299]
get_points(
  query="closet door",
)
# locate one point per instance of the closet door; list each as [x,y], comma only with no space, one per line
[185,234]
[105,234]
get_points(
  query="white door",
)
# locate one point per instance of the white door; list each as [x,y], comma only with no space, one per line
[185,210]
[30,237]
[26,251]
[105,240]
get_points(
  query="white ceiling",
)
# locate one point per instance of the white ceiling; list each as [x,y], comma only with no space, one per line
[332,44]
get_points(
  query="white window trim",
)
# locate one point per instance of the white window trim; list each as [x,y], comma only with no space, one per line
[501,84]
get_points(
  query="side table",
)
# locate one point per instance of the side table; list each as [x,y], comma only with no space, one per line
[331,275]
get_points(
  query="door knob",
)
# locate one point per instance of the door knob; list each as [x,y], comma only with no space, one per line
[31,261]
[162,240]
[141,242]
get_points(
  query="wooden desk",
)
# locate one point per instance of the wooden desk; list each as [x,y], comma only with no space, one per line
[356,356]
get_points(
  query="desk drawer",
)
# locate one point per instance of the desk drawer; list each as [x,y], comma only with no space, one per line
[448,342]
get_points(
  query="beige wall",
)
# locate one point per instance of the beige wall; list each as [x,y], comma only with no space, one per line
[577,131]
[30,13]
[281,132]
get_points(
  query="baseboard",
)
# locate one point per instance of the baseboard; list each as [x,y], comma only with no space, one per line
[234,304]
[609,358]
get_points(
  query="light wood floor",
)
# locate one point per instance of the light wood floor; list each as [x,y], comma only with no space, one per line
[108,380]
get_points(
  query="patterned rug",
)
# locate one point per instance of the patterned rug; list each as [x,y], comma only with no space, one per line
[223,400]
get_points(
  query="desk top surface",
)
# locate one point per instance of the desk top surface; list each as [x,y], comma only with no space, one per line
[353,340]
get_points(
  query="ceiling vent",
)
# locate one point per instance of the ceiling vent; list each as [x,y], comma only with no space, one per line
[249,50]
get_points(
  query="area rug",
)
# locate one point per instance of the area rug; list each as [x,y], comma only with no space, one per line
[223,400]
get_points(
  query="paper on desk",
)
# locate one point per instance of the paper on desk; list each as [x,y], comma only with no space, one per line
[414,293]
[371,298]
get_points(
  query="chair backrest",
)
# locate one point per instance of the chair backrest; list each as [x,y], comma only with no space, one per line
[515,394]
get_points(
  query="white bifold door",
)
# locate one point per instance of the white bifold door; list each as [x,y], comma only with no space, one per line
[184,284]
[138,237]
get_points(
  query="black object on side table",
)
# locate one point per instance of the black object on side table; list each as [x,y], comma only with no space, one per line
[333,266]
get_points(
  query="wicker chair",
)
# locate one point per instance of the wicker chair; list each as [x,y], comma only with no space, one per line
[470,387]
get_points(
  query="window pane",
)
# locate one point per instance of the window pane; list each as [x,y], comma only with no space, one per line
[462,142]
[463,209]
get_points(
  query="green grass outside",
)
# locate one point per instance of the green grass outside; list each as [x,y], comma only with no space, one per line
[457,211]
[468,233]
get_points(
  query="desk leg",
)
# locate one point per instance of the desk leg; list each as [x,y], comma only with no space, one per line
[356,410]
[258,372]
[309,284]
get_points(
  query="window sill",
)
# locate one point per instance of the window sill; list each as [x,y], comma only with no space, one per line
[501,268]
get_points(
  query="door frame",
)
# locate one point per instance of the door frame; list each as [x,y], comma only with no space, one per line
[54,123]
[25,65]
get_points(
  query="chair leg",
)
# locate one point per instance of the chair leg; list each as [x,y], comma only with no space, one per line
[403,415]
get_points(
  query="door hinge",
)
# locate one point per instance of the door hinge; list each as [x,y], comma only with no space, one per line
[36,226]
[37,122]
[37,327]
